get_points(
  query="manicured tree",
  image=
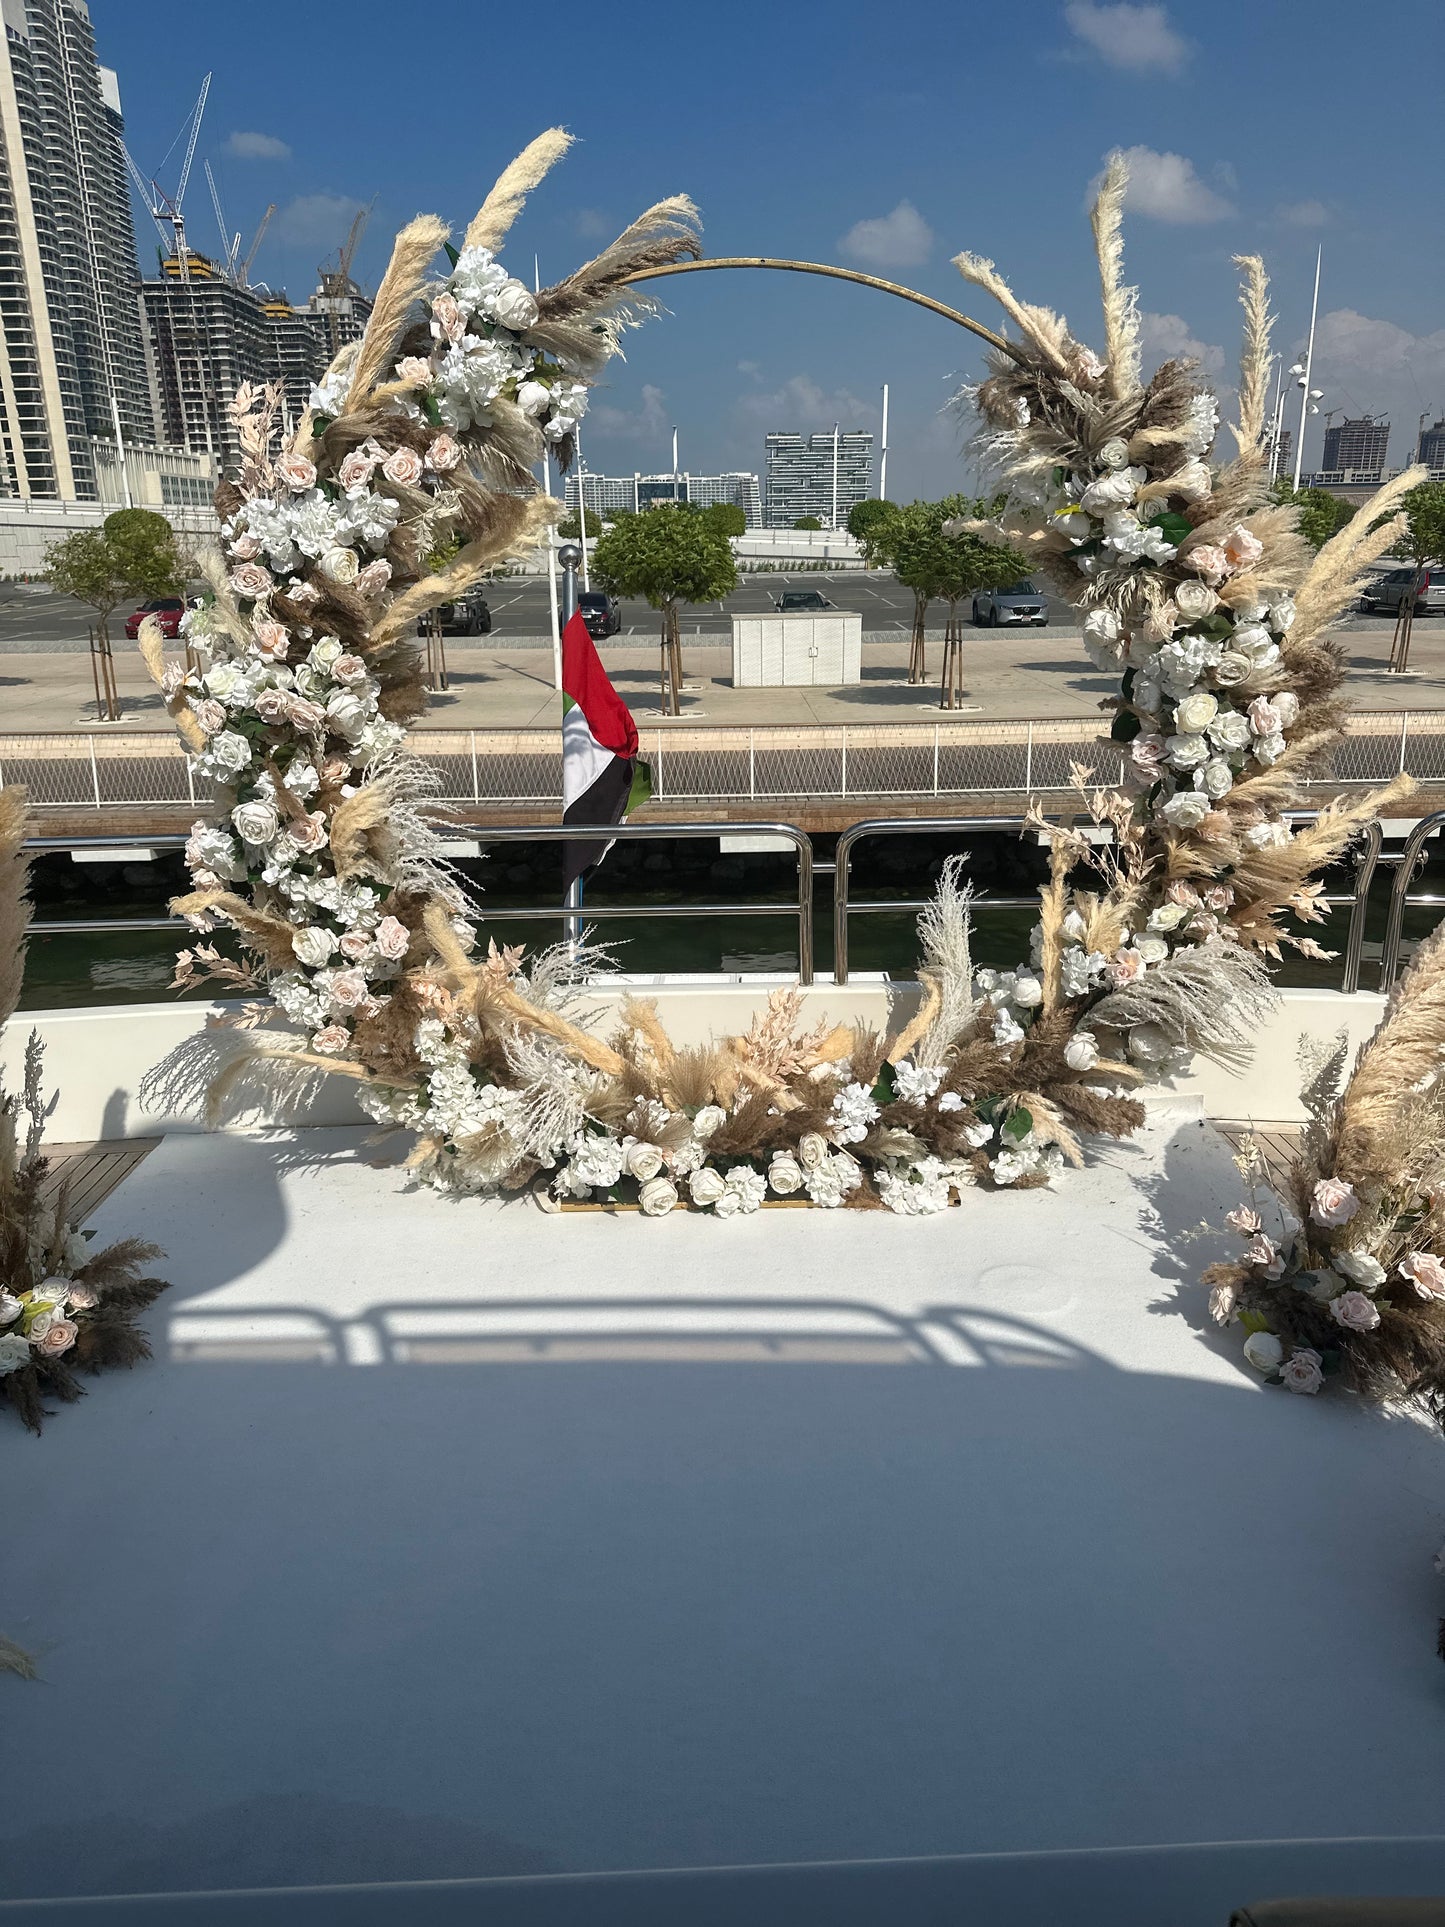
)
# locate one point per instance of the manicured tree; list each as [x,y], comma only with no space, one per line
[950,566]
[84,565]
[144,546]
[1422,542]
[866,516]
[1321,514]
[905,543]
[726,517]
[669,556]
[807,522]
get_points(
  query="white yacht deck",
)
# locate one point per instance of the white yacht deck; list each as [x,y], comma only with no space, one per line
[449,1539]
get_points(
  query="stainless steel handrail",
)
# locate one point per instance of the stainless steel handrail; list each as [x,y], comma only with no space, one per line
[844,906]
[1400,896]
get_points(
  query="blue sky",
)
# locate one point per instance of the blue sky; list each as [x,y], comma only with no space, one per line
[882,137]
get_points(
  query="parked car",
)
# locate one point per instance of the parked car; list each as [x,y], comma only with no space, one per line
[802,602]
[602,613]
[469,615]
[1383,596]
[1022,603]
[167,612]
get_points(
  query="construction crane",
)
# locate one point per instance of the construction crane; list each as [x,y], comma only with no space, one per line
[238,271]
[244,271]
[335,284]
[166,209]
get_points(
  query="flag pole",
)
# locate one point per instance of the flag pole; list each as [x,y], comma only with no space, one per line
[569,555]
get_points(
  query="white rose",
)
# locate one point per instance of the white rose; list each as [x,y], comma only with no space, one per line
[1081,1053]
[1195,601]
[812,1151]
[727,1204]
[534,398]
[643,1161]
[657,1197]
[785,1174]
[1218,778]
[1360,1268]
[1232,668]
[341,565]
[1286,707]
[1230,730]
[346,712]
[10,1308]
[1114,453]
[255,823]
[1186,811]
[706,1185]
[1152,949]
[314,946]
[1187,751]
[231,751]
[1028,992]
[1264,1352]
[326,653]
[709,1119]
[14,1353]
[514,306]
[1196,712]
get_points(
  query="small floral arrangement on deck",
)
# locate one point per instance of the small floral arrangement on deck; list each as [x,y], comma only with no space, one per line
[63,1307]
[1351,1279]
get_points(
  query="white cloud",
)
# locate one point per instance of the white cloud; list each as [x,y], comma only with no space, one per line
[1302,213]
[1137,38]
[256,147]
[649,423]
[316,220]
[1166,337]
[591,223]
[801,406]
[902,239]
[1165,187]
[1350,343]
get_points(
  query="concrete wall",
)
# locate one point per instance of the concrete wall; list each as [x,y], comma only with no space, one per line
[27,528]
[96,1058]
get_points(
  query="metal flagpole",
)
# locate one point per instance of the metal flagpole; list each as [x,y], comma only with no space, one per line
[551,539]
[1304,400]
[835,475]
[569,557]
[582,502]
[883,458]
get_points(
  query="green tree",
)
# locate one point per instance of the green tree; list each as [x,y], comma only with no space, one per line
[1424,539]
[132,556]
[668,557]
[807,522]
[1321,514]
[950,566]
[726,517]
[866,517]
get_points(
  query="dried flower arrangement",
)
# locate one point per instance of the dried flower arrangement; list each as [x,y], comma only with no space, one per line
[326,870]
[63,1307]
[1351,1281]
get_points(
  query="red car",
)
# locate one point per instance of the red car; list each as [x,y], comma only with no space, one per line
[167,613]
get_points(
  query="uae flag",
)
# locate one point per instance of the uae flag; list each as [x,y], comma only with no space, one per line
[602,776]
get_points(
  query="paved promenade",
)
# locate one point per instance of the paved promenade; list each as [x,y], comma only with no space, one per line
[1030,675]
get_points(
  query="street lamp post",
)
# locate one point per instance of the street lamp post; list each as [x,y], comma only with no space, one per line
[1307,398]
[883,453]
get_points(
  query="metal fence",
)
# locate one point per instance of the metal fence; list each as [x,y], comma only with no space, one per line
[693,764]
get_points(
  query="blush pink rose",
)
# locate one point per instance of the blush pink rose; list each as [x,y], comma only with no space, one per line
[1302,1371]
[1264,718]
[308,832]
[349,669]
[1425,1272]
[1181,891]
[303,713]
[335,770]
[296,472]
[1243,550]
[447,320]
[1355,1312]
[59,1335]
[1245,1221]
[82,1297]
[251,581]
[210,715]
[374,577]
[274,705]
[403,467]
[354,945]
[392,939]
[1222,1301]
[355,470]
[272,641]
[1209,561]
[1125,966]
[1334,1202]
[331,1039]
[349,989]
[414,369]
[303,594]
[1264,1254]
[444,453]
[246,546]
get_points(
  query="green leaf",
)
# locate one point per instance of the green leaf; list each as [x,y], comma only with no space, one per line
[1172,526]
[884,1090]
[453,255]
[1254,1321]
[1125,726]
[1020,1122]
[430,409]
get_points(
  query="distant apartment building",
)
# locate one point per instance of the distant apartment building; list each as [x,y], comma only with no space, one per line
[1432,448]
[1284,458]
[208,335]
[606,494]
[819,475]
[1356,448]
[74,359]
